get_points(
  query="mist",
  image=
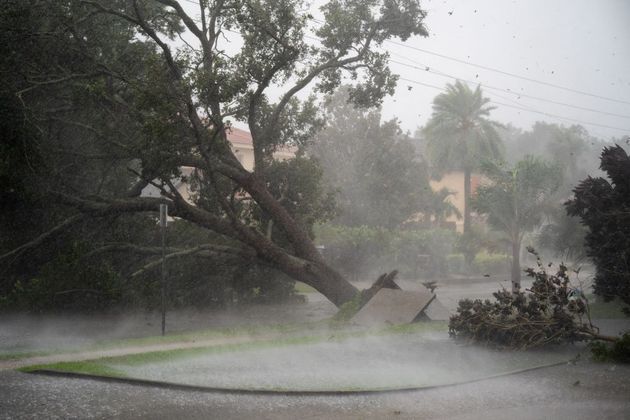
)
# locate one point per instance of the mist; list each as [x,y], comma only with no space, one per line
[204,194]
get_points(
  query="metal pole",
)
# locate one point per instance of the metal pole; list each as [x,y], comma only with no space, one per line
[163,216]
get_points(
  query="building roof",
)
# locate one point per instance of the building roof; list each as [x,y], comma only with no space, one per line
[238,136]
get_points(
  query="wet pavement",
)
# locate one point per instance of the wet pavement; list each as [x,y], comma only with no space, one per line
[584,390]
[375,362]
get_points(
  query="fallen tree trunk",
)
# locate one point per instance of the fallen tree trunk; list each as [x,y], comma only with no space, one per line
[385,280]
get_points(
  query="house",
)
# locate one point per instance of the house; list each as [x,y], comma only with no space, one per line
[243,148]
[454,182]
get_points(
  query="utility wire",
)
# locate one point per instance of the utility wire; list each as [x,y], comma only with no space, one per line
[524,109]
[506,73]
[521,108]
[400,44]
[511,92]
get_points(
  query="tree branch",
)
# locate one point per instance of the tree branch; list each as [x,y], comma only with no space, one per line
[60,228]
[203,250]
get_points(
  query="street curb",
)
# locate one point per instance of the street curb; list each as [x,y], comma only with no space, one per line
[248,391]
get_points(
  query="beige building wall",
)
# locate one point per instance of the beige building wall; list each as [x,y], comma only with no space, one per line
[454,181]
[243,148]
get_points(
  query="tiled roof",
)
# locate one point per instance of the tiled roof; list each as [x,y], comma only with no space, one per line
[238,136]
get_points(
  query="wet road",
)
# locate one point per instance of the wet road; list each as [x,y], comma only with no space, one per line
[582,391]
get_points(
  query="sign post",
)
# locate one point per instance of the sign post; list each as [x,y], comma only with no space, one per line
[163,222]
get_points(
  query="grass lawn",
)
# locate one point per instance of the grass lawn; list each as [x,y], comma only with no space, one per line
[192,336]
[304,288]
[336,332]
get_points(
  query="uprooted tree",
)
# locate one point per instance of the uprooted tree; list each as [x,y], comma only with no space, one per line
[141,88]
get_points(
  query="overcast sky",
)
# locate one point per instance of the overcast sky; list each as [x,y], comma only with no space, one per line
[580,45]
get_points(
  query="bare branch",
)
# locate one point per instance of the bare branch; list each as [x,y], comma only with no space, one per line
[36,84]
[188,21]
[128,247]
[60,228]
[208,250]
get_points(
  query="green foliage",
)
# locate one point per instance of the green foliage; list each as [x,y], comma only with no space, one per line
[66,283]
[484,263]
[349,309]
[563,235]
[456,264]
[573,149]
[517,197]
[552,311]
[380,180]
[353,250]
[110,106]
[602,205]
[297,183]
[459,134]
[617,352]
[422,252]
[204,282]
[469,244]
[364,251]
[437,207]
[516,200]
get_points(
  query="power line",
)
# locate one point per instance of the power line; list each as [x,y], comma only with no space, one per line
[524,95]
[504,90]
[525,109]
[507,73]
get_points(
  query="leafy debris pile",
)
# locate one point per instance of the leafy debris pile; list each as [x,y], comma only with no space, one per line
[552,311]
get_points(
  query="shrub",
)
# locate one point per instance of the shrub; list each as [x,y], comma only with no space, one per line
[618,352]
[491,263]
[456,263]
[552,311]
[422,252]
[354,251]
[363,251]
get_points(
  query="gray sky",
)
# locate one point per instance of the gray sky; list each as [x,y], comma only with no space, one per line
[581,45]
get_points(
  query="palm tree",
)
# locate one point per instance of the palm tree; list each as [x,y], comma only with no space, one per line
[441,208]
[459,135]
[516,201]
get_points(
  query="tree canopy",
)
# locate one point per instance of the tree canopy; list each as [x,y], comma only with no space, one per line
[380,179]
[106,81]
[516,199]
[603,206]
[460,135]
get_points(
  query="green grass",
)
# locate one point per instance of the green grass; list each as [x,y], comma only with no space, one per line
[304,288]
[192,336]
[103,366]
[90,367]
[23,354]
